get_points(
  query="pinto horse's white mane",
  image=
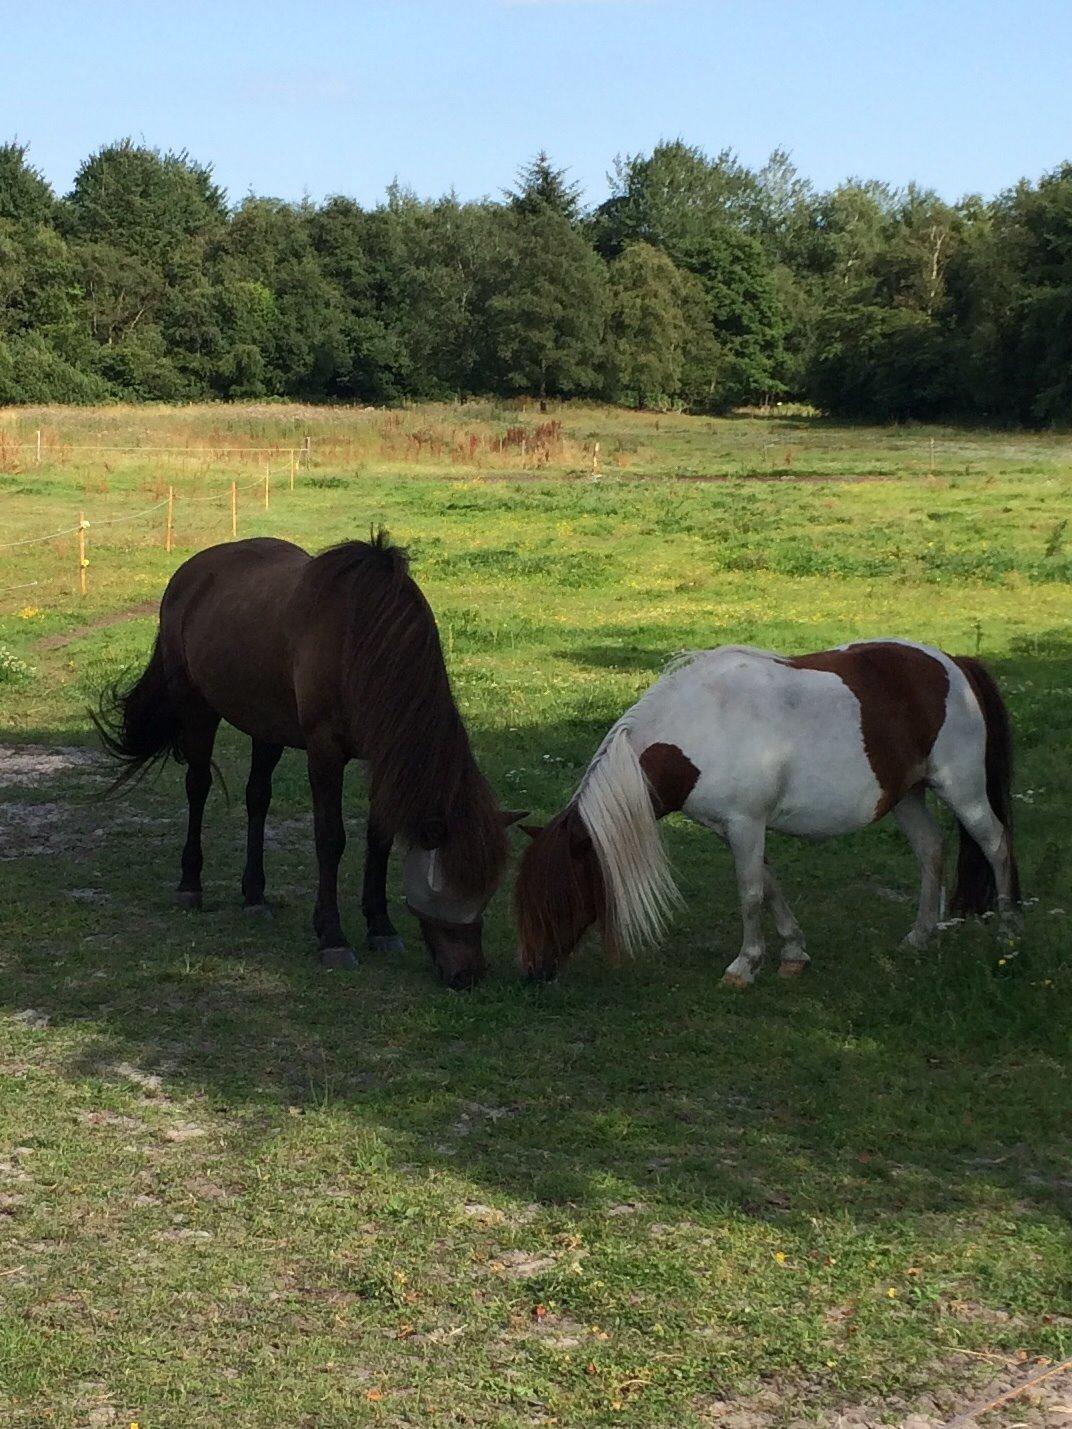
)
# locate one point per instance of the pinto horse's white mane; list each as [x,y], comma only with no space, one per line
[614,802]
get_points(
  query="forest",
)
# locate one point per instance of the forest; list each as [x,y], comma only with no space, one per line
[699,284]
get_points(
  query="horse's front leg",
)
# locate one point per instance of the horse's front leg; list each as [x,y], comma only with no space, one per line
[794,956]
[746,838]
[326,765]
[382,936]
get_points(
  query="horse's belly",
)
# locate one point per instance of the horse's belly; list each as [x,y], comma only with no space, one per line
[259,704]
[821,802]
[780,746]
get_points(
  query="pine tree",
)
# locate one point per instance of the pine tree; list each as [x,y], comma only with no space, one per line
[542,188]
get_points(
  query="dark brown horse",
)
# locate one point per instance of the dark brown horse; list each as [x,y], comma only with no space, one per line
[339,655]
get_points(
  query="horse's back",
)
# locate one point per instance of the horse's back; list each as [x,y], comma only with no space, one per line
[224,622]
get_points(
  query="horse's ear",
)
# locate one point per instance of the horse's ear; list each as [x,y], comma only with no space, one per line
[432,834]
[532,830]
[512,816]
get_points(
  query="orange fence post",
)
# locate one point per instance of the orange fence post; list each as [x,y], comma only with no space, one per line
[234,510]
[267,470]
[82,562]
[170,517]
[292,469]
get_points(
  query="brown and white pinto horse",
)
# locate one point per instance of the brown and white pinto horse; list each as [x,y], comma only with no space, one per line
[742,741]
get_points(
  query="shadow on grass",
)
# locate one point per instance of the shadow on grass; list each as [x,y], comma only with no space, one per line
[886,1083]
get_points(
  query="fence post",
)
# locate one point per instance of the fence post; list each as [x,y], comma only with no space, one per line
[595,460]
[39,446]
[234,510]
[82,562]
[292,468]
[170,517]
[932,456]
[267,469]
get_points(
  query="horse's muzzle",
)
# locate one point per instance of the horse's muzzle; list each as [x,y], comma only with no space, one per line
[457,951]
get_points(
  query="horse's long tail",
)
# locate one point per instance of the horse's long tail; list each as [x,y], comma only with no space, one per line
[614,802]
[139,724]
[976,891]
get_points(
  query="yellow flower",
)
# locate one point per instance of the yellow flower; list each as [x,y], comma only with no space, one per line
[28,612]
[779,1256]
[892,1292]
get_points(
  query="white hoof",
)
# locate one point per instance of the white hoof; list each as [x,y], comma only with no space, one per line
[739,973]
[916,938]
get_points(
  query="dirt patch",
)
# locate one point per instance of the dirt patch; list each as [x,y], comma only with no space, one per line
[117,617]
[27,766]
[1046,1404]
[521,1265]
[27,829]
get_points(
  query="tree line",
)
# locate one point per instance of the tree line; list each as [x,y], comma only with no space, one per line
[699,282]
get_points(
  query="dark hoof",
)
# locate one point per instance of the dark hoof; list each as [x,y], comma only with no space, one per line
[338,958]
[185,898]
[263,910]
[462,982]
[385,943]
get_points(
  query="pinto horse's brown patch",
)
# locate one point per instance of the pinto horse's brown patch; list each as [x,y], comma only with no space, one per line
[671,774]
[902,693]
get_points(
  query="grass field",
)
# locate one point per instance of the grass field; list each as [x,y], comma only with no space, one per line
[236,1190]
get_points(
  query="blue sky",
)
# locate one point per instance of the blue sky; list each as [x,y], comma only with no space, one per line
[286,98]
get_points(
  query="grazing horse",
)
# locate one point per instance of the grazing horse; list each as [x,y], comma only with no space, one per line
[742,741]
[339,655]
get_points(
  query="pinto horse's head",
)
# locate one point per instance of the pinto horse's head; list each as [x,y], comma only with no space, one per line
[559,894]
[451,916]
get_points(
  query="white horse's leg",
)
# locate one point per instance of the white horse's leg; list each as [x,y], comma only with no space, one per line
[920,828]
[794,957]
[746,839]
[970,804]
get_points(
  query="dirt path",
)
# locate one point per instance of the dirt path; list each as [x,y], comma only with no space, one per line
[117,617]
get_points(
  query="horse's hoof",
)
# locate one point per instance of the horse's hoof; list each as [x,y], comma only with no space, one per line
[792,967]
[338,958]
[734,980]
[188,898]
[385,943]
[263,910]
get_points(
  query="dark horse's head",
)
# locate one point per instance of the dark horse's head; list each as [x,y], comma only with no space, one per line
[424,784]
[448,903]
[559,894]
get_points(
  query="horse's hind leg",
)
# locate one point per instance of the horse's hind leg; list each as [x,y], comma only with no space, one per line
[746,839]
[968,800]
[199,726]
[326,767]
[794,956]
[382,935]
[920,828]
[258,797]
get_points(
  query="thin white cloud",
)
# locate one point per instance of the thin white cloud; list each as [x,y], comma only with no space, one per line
[300,86]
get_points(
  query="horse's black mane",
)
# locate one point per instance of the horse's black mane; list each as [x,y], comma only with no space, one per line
[424,783]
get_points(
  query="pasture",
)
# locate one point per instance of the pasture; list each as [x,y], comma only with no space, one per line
[236,1189]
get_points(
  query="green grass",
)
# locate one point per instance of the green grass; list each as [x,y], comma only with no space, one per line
[235,1189]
